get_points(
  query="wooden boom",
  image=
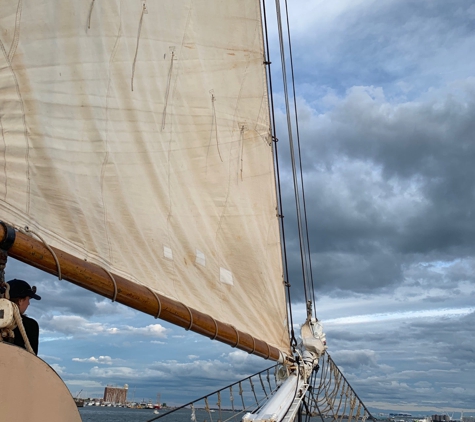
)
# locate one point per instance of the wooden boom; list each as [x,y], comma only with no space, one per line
[92,277]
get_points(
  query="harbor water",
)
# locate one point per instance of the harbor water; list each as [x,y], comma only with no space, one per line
[120,414]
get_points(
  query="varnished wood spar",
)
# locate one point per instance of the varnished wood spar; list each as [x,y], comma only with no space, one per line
[94,278]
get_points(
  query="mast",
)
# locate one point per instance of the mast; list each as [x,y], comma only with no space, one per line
[92,277]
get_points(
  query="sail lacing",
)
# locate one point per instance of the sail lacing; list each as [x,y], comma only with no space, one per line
[26,230]
[237,335]
[158,302]
[191,317]
[114,297]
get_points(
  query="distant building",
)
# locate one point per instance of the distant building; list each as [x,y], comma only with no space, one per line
[116,394]
[441,418]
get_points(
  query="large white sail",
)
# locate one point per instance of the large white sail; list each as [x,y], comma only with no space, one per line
[148,118]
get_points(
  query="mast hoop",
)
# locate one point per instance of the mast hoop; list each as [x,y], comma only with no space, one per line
[215,329]
[113,282]
[9,237]
[158,301]
[26,230]
[237,335]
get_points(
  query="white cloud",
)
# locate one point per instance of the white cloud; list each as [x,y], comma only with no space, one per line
[78,326]
[59,369]
[106,360]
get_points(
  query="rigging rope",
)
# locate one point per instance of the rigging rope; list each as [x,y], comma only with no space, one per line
[305,222]
[296,165]
[291,144]
[280,214]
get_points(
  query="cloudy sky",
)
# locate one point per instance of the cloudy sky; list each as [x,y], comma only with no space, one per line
[386,94]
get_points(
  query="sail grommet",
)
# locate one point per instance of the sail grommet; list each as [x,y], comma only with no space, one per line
[8,238]
[215,329]
[237,335]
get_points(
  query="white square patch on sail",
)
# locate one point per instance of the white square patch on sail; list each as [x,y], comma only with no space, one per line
[167,253]
[226,276]
[200,258]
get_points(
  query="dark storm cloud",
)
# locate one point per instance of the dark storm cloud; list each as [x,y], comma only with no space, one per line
[425,362]
[388,185]
[387,135]
[380,43]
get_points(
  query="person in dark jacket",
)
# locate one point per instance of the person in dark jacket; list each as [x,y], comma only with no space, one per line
[21,293]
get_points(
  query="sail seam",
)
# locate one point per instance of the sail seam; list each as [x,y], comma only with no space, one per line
[16,36]
[107,149]
[25,131]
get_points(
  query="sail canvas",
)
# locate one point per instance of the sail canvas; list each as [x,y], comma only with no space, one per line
[135,135]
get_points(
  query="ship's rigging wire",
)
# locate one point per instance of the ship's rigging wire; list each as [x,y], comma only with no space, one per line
[293,340]
[290,139]
[295,157]
[304,202]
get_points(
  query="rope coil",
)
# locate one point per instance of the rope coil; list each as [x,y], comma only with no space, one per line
[17,322]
